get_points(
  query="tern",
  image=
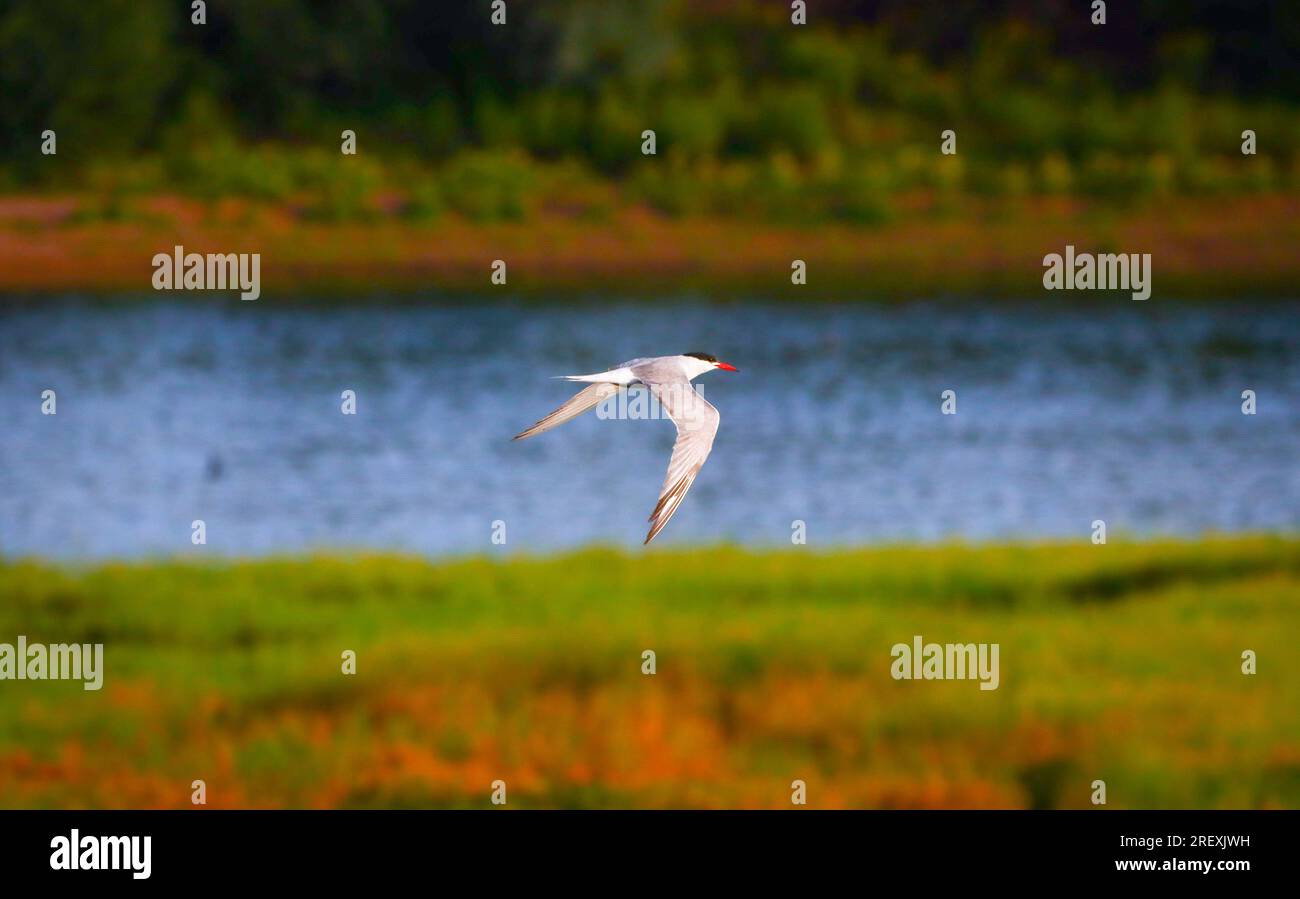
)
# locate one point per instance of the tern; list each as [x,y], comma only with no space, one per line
[668,378]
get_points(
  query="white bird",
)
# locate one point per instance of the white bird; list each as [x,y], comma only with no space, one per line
[668,378]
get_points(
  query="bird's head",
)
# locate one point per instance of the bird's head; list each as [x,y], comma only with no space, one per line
[708,363]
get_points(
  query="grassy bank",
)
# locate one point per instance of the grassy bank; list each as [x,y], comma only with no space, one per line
[1200,247]
[1119,662]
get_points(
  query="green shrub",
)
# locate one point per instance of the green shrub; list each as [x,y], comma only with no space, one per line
[490,186]
[424,200]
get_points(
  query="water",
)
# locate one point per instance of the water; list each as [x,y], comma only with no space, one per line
[230,412]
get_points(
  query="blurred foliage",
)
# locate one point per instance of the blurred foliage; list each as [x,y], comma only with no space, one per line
[753,116]
[1122,659]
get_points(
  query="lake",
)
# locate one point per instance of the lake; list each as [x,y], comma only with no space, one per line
[230,412]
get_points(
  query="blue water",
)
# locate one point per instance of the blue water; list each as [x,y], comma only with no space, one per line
[230,412]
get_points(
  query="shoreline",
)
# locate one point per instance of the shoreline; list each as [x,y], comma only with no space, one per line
[1200,247]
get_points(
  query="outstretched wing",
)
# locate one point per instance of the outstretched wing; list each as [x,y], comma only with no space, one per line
[582,401]
[697,424]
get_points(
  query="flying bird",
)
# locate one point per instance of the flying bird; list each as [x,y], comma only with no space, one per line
[668,378]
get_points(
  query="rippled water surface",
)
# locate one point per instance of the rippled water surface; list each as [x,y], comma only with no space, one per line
[230,413]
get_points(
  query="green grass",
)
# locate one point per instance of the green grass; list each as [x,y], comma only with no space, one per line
[1118,662]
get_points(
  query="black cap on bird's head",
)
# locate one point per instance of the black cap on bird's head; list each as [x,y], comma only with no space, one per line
[705,357]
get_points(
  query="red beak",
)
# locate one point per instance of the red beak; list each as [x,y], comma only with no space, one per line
[725,366]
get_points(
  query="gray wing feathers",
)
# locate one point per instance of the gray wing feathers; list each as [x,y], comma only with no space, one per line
[697,425]
[581,401]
